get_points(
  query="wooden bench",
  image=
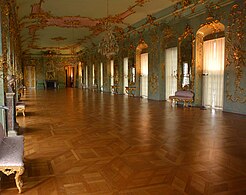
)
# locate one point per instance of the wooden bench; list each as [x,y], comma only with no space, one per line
[20,107]
[184,96]
[11,156]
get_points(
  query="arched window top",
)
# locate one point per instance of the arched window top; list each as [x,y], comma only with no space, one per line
[211,28]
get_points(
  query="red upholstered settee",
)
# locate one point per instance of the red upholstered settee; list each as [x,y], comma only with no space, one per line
[184,96]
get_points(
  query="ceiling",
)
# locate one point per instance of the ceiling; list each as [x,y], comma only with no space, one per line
[69,26]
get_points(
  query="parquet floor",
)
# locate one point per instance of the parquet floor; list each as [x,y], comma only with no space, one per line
[89,143]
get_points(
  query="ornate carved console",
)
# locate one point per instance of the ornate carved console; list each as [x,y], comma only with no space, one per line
[115,89]
[131,90]
[11,157]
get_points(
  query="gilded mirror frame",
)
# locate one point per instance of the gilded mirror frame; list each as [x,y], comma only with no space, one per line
[187,33]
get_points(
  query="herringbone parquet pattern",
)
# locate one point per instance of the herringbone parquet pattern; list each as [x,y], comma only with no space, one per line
[84,142]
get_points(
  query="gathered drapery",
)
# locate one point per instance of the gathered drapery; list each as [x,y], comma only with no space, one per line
[213,72]
[101,76]
[125,74]
[93,74]
[144,75]
[112,72]
[171,71]
[86,77]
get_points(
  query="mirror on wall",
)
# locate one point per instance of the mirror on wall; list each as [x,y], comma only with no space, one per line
[132,71]
[186,59]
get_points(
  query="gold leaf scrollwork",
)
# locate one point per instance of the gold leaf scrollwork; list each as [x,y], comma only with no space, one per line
[154,83]
[8,171]
[167,36]
[154,44]
[235,49]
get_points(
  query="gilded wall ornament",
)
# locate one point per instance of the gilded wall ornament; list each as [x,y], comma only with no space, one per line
[184,5]
[153,82]
[236,54]
[186,45]
[168,35]
[154,41]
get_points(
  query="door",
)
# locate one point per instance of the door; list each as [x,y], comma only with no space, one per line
[69,76]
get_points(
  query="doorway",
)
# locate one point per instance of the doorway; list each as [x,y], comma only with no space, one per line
[69,76]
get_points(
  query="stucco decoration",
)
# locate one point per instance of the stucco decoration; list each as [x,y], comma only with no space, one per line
[168,35]
[155,39]
[184,5]
[154,84]
[236,54]
[41,18]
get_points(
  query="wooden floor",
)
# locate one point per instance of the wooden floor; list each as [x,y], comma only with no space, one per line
[84,142]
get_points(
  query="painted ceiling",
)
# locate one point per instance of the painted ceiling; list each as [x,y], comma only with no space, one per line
[68,26]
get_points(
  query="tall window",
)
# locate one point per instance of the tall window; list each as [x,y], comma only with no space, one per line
[133,72]
[125,74]
[213,72]
[86,77]
[144,75]
[80,73]
[171,71]
[112,72]
[93,75]
[101,76]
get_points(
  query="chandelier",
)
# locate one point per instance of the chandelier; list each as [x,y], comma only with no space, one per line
[108,46]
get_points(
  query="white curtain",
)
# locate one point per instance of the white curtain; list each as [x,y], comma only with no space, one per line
[125,74]
[112,72]
[101,76]
[93,74]
[171,71]
[213,72]
[86,77]
[144,75]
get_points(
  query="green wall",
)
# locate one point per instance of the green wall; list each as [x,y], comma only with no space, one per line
[158,41]
[44,65]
